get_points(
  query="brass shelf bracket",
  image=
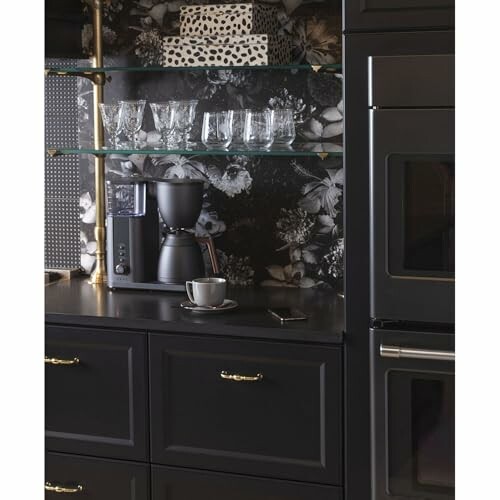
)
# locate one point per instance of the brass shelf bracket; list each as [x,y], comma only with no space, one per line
[322,155]
[96,77]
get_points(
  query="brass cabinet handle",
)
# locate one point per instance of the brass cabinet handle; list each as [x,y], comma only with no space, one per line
[62,489]
[65,362]
[241,378]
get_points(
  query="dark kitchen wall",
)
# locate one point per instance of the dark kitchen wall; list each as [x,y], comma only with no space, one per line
[275,221]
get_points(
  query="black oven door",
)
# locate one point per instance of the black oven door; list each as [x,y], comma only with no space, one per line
[412,198]
[413,416]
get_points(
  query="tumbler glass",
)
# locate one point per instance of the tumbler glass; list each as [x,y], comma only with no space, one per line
[110,120]
[130,119]
[283,126]
[163,116]
[185,112]
[216,131]
[258,133]
[239,126]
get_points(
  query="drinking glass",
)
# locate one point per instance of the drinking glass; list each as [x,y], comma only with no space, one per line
[110,120]
[130,119]
[216,131]
[184,114]
[258,133]
[283,126]
[239,126]
[163,117]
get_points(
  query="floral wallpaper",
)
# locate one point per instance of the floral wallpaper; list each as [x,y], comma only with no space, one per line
[276,221]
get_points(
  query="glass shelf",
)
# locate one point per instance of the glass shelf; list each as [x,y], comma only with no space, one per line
[131,69]
[322,150]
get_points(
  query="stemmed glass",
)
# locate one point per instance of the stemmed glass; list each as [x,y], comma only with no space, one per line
[110,119]
[163,116]
[184,112]
[130,119]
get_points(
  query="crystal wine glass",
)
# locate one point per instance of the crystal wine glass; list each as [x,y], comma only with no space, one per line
[163,116]
[110,119]
[185,112]
[130,119]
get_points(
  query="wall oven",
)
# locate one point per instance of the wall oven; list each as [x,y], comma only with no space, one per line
[413,415]
[412,188]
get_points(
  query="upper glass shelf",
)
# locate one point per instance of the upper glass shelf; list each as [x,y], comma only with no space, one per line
[322,150]
[109,69]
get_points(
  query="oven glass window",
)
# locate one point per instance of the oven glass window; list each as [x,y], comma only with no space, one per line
[433,430]
[422,216]
[421,434]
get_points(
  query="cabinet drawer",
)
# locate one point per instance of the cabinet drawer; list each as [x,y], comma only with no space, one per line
[284,422]
[95,479]
[98,405]
[174,484]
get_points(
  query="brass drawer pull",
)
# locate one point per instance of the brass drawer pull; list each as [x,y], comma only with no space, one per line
[241,378]
[65,362]
[62,489]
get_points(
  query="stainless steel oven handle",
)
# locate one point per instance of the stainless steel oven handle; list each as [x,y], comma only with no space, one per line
[392,351]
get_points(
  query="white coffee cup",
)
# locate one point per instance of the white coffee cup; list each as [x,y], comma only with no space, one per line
[205,292]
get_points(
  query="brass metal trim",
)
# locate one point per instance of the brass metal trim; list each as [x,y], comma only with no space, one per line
[98,276]
[53,152]
[64,362]
[235,377]
[322,155]
[62,489]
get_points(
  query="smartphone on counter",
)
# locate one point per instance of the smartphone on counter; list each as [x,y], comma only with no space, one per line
[287,314]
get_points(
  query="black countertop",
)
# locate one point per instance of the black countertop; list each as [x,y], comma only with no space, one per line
[75,302]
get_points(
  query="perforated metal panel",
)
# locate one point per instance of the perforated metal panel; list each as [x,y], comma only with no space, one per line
[62,220]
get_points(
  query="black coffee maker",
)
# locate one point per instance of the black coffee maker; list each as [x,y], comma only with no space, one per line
[135,257]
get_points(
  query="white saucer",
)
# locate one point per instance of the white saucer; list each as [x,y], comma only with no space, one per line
[227,305]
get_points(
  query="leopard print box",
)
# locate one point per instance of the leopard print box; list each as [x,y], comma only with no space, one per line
[228,19]
[236,50]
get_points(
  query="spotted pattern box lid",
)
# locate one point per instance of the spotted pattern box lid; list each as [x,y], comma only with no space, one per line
[228,19]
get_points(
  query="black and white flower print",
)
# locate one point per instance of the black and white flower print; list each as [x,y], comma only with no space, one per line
[237,270]
[275,221]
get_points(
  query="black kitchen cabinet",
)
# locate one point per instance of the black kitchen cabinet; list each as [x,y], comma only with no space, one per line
[396,15]
[283,420]
[95,479]
[177,484]
[96,392]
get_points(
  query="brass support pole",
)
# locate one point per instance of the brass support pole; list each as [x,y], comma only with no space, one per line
[99,274]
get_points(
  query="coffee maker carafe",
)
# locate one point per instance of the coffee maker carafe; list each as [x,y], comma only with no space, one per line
[180,202]
[136,259]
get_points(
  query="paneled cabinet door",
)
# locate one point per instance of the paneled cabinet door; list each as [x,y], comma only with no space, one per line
[392,15]
[95,479]
[258,408]
[177,484]
[96,392]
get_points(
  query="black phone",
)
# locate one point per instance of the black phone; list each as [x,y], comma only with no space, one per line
[287,314]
